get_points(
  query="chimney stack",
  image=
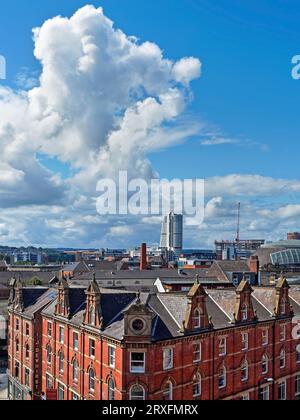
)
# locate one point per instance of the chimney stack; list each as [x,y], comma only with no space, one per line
[254,265]
[143,258]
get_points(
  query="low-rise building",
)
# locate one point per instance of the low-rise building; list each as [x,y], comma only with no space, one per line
[207,344]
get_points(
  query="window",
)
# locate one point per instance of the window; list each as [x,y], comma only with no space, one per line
[245,397]
[282,332]
[282,391]
[137,393]
[297,385]
[137,362]
[17,345]
[27,351]
[168,391]
[49,355]
[244,312]
[111,357]
[197,385]
[61,362]
[75,371]
[111,389]
[75,341]
[17,369]
[168,359]
[265,364]
[75,397]
[198,318]
[282,359]
[61,335]
[222,377]
[245,341]
[283,307]
[27,329]
[48,382]
[49,329]
[92,351]
[27,374]
[61,392]
[265,337]
[244,371]
[297,355]
[197,352]
[92,380]
[264,393]
[17,324]
[222,346]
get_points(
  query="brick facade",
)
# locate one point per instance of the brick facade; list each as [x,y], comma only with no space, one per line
[101,344]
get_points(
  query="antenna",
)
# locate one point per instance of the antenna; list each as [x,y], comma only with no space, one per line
[238,224]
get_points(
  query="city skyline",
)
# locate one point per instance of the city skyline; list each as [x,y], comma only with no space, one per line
[230,117]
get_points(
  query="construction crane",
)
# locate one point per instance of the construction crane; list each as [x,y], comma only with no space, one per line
[238,224]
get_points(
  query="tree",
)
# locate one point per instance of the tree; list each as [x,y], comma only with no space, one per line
[35,281]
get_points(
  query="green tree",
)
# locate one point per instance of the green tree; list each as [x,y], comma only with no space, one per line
[35,281]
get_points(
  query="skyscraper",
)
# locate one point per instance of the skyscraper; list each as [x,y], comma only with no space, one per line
[171,239]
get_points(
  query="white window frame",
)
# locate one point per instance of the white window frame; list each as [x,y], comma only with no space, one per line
[75,333]
[282,353]
[61,334]
[170,392]
[49,328]
[284,389]
[265,392]
[168,358]
[141,369]
[224,376]
[137,399]
[197,351]
[222,344]
[265,337]
[197,382]
[112,357]
[245,341]
[265,362]
[282,333]
[297,385]
[92,340]
[245,368]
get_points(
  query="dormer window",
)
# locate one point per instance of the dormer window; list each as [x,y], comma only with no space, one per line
[283,307]
[198,318]
[245,312]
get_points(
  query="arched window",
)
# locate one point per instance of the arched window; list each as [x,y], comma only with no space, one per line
[282,359]
[265,364]
[222,377]
[61,362]
[137,393]
[245,312]
[198,318]
[91,380]
[197,385]
[75,370]
[244,371]
[111,389]
[168,391]
[49,355]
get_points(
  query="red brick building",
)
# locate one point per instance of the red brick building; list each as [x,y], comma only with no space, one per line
[106,344]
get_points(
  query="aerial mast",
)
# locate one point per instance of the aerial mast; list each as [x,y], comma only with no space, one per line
[238,224]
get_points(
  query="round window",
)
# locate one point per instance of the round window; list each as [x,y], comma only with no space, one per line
[138,325]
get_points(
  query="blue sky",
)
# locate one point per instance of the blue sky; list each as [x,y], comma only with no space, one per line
[246,93]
